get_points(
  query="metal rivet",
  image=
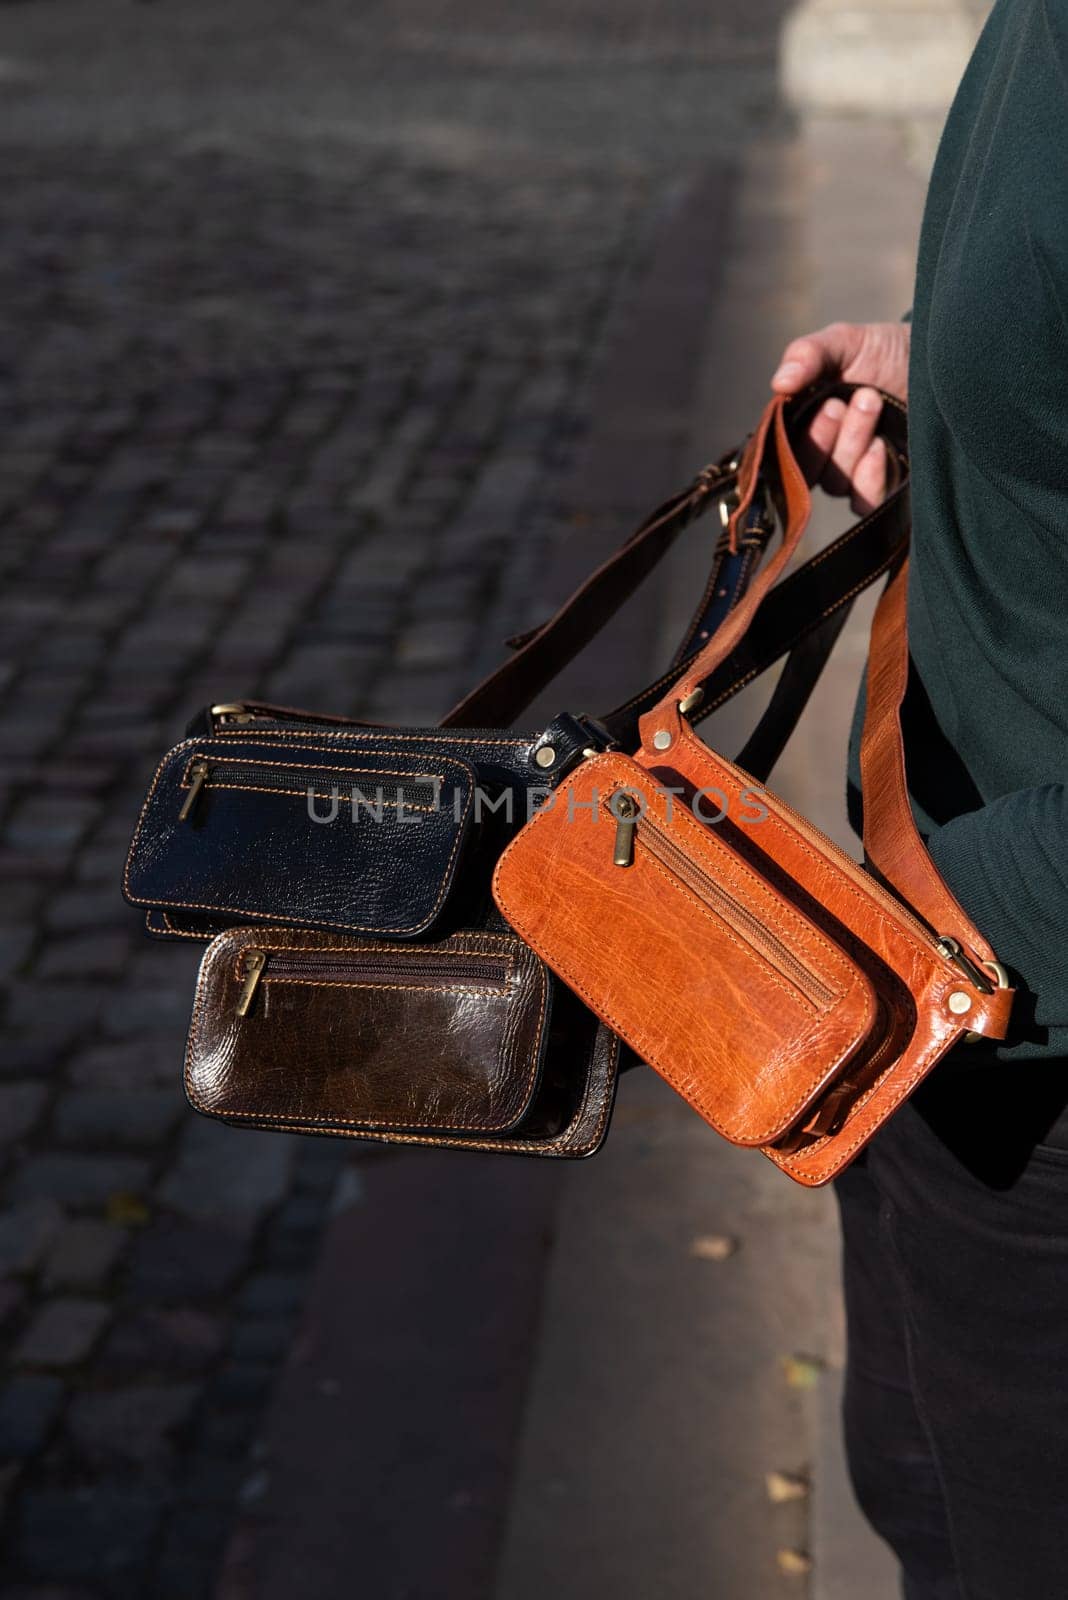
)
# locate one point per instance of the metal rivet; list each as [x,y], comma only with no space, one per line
[545,756]
[661,739]
[959,1002]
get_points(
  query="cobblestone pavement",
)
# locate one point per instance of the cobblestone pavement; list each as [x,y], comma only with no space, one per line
[289,380]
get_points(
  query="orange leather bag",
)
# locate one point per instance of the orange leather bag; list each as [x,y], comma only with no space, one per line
[791,997]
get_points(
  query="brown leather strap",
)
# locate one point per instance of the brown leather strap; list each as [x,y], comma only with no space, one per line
[543,652]
[825,585]
[770,453]
[892,840]
[790,696]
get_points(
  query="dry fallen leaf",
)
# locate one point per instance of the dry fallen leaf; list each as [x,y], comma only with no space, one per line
[783,1486]
[126,1210]
[794,1563]
[713,1247]
[802,1372]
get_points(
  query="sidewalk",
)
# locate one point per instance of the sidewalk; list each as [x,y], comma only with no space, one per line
[333,345]
[603,1420]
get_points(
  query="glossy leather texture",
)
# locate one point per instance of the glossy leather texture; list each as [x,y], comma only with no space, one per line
[349,836]
[694,936]
[325,1043]
[360,981]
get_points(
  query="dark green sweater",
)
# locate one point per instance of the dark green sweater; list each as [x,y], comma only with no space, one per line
[987,722]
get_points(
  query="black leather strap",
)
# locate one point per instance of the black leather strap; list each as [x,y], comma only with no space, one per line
[800,617]
[543,652]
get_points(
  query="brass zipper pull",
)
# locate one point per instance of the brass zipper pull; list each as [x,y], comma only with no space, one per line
[255,961]
[198,773]
[231,712]
[624,808]
[951,949]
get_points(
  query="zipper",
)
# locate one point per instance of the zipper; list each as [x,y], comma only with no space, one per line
[240,713]
[943,945]
[739,917]
[203,772]
[487,973]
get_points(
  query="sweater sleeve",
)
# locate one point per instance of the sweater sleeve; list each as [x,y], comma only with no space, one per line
[1007,863]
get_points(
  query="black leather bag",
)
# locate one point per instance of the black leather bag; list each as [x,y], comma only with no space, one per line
[359,980]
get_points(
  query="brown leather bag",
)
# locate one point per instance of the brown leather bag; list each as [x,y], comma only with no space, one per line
[788,995]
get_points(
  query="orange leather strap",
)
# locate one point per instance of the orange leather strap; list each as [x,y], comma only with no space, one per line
[891,839]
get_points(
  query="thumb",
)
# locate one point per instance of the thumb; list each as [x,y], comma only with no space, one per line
[816,355]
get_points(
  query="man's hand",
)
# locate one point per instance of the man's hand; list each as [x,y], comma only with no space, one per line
[843,453]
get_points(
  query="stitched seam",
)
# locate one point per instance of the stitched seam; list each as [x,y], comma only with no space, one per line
[755,672]
[368,733]
[802,929]
[561,1142]
[504,942]
[199,905]
[296,766]
[674,674]
[514,1145]
[788,825]
[300,794]
[720,924]
[191,744]
[180,933]
[900,1092]
[613,1022]
[210,957]
[697,1101]
[343,983]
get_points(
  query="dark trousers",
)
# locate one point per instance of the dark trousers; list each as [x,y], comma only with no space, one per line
[955,1229]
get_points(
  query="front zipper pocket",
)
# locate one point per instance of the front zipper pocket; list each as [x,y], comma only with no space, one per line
[307,1031]
[338,836]
[361,968]
[712,975]
[765,942]
[366,791]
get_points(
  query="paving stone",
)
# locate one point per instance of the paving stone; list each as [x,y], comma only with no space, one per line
[29,1406]
[21,1103]
[50,1591]
[53,1008]
[96,955]
[128,1064]
[62,1333]
[12,1300]
[261,1339]
[79,1180]
[15,946]
[119,1118]
[161,1342]
[83,1254]
[137,1009]
[134,1424]
[283,449]
[26,1232]
[40,1052]
[237,1173]
[177,1261]
[272,1294]
[101,1534]
[228,1433]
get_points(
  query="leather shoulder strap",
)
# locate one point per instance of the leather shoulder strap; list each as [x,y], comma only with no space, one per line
[543,652]
[891,838]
